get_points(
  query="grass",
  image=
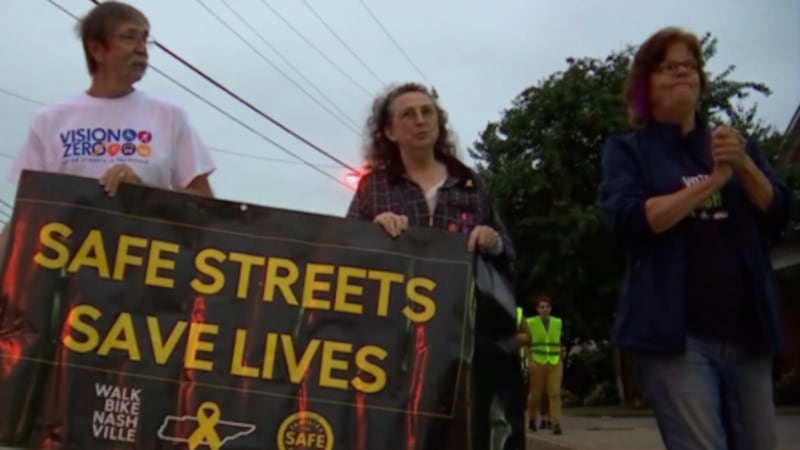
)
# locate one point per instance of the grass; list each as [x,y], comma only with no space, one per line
[623,412]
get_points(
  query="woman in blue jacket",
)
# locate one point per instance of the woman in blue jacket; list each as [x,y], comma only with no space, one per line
[695,208]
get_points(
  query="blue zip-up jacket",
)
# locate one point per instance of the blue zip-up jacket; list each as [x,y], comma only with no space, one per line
[651,313]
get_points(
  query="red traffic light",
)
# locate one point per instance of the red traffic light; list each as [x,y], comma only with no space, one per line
[352,179]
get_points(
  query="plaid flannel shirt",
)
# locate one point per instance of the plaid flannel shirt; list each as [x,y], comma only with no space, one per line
[462,202]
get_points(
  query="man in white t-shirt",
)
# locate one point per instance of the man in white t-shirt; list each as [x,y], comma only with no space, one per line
[113,132]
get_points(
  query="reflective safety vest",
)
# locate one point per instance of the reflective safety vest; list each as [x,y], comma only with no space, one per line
[520,319]
[545,343]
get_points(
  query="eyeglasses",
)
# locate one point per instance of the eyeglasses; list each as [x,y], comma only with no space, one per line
[133,40]
[411,114]
[672,67]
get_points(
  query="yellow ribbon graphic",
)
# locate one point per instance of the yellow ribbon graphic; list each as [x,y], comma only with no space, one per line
[206,433]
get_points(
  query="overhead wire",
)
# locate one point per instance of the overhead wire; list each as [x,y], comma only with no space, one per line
[234,153]
[243,102]
[250,128]
[394,41]
[20,97]
[342,116]
[266,158]
[314,47]
[253,130]
[341,41]
[252,108]
[213,149]
[8,205]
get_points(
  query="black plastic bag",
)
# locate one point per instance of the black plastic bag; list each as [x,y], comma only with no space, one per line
[499,394]
[26,334]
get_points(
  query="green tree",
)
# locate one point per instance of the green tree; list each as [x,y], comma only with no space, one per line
[542,162]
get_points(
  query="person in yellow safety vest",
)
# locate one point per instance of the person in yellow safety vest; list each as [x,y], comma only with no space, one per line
[524,340]
[546,368]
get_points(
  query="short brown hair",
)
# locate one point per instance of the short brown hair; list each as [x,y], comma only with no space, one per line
[636,90]
[101,20]
[538,298]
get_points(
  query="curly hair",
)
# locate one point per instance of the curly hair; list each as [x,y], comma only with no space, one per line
[380,152]
[636,90]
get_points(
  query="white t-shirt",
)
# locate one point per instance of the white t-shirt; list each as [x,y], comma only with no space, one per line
[431,196]
[86,135]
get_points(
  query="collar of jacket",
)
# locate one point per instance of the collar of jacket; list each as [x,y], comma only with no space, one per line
[458,174]
[671,134]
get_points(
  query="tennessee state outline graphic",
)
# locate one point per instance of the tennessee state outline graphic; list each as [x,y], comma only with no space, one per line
[203,429]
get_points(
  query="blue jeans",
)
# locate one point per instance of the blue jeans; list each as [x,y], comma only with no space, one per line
[715,396]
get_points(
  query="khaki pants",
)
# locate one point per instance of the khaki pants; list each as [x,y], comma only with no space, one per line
[545,378]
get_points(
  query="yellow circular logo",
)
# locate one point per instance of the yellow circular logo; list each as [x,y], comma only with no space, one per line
[144,150]
[305,430]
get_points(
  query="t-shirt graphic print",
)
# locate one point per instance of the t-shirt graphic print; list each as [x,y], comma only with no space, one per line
[711,208]
[86,136]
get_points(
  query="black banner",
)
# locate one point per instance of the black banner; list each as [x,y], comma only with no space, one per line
[157,320]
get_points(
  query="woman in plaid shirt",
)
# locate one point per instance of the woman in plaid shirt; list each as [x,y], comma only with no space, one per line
[415,179]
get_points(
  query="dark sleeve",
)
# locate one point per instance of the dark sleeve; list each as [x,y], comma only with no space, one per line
[359,205]
[776,219]
[622,194]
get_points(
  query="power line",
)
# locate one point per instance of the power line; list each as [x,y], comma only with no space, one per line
[233,153]
[9,205]
[21,97]
[248,105]
[242,101]
[253,108]
[298,159]
[253,130]
[213,149]
[265,158]
[319,52]
[341,41]
[342,118]
[299,72]
[394,41]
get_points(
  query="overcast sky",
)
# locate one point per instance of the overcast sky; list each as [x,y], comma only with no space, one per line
[478,54]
